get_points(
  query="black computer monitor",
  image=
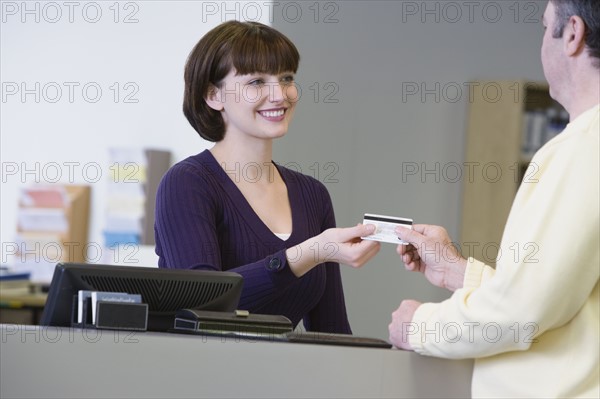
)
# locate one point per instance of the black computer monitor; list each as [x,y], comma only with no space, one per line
[164,290]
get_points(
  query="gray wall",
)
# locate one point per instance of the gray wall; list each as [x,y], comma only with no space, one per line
[366,145]
[357,134]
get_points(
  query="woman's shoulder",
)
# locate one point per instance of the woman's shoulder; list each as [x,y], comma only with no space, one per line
[196,172]
[192,167]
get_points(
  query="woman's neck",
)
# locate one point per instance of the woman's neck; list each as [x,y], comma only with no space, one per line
[251,160]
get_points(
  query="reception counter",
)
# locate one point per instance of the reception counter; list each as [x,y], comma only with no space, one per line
[45,362]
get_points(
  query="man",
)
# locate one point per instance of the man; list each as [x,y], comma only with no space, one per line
[532,324]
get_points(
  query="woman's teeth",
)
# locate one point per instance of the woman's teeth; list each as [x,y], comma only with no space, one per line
[272,114]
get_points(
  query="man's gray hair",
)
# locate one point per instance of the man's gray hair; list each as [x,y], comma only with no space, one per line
[589,12]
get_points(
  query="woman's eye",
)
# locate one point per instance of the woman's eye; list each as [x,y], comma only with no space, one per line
[256,82]
[288,79]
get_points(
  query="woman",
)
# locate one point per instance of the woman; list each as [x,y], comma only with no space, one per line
[231,208]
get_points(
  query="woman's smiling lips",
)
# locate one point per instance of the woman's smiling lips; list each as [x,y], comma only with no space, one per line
[274,115]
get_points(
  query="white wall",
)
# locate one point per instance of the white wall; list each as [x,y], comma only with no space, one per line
[361,54]
[49,136]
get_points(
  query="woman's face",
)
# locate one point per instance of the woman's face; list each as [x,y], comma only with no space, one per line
[258,105]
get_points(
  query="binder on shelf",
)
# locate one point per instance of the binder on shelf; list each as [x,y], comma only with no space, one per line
[44,197]
[43,219]
[158,164]
[135,175]
[7,274]
[52,227]
[540,126]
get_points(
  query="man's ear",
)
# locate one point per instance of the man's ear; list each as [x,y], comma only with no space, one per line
[213,98]
[574,36]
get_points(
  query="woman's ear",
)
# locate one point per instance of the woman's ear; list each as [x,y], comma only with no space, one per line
[213,98]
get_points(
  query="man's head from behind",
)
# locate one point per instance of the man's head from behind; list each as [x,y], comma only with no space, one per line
[571,50]
[589,12]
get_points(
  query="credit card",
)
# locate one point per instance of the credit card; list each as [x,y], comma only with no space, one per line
[385,228]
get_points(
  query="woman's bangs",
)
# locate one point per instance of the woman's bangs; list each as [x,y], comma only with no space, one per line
[272,57]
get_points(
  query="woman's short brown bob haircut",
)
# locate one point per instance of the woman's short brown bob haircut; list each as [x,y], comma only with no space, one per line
[249,47]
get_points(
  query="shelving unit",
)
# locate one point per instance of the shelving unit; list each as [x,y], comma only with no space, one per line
[53,223]
[499,116]
[135,175]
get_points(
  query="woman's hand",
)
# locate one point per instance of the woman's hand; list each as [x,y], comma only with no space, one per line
[342,245]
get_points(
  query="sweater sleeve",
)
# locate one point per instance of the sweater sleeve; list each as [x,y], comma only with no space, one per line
[188,213]
[477,272]
[546,269]
[330,313]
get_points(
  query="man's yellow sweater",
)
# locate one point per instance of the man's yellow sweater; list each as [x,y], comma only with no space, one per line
[533,323]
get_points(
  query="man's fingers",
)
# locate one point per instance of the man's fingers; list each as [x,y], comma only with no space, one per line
[421,228]
[410,235]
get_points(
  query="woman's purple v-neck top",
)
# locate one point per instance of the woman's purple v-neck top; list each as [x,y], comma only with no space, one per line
[204,222]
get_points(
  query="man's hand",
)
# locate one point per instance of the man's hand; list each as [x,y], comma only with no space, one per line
[401,326]
[432,253]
